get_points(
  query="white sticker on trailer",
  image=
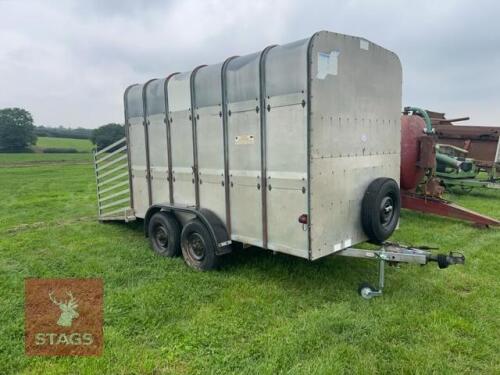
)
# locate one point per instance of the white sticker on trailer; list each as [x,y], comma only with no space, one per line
[244,140]
[364,44]
[328,63]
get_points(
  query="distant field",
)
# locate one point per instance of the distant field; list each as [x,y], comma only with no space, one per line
[33,159]
[81,145]
[260,313]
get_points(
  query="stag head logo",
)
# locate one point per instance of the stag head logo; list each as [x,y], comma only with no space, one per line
[68,310]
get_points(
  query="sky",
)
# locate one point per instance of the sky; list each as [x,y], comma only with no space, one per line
[68,62]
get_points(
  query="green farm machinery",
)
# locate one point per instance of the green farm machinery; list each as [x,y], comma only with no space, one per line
[455,169]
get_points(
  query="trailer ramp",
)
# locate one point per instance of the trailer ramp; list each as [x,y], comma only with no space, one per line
[114,195]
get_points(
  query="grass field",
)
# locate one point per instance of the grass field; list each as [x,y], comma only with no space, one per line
[81,145]
[261,313]
[31,160]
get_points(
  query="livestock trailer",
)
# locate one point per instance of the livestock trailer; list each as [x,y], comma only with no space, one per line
[294,149]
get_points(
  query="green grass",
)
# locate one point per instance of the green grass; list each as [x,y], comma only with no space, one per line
[33,159]
[261,313]
[81,145]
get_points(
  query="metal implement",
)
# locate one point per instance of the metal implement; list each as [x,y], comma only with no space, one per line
[441,207]
[478,143]
[454,168]
[481,142]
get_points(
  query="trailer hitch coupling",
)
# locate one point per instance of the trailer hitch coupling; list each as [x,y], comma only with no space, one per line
[444,260]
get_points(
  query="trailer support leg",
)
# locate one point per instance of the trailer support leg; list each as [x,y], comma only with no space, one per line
[367,291]
[381,275]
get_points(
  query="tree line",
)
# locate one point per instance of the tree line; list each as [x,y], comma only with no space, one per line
[18,133]
[62,132]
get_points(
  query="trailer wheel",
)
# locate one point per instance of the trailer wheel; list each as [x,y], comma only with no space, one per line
[380,209]
[366,290]
[164,234]
[198,248]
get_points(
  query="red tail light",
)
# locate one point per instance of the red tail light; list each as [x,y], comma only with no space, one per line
[303,219]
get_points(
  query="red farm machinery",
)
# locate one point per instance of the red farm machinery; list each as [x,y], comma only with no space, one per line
[437,155]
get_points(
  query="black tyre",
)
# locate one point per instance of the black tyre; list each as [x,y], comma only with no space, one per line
[198,248]
[380,209]
[164,234]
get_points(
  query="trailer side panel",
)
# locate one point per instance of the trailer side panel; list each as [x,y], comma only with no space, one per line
[157,137]
[137,146]
[244,149]
[181,130]
[210,139]
[286,147]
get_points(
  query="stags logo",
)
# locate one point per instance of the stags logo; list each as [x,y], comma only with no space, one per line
[68,310]
[63,316]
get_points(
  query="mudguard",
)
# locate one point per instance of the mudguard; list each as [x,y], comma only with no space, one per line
[212,222]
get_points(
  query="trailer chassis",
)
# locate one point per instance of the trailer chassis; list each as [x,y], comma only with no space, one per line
[393,254]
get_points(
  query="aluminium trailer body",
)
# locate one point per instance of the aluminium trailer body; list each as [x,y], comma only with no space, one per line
[289,149]
[303,129]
